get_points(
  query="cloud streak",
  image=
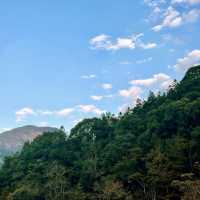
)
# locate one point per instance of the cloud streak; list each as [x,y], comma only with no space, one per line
[158,79]
[107,86]
[105,42]
[26,112]
[172,18]
[91,109]
[132,92]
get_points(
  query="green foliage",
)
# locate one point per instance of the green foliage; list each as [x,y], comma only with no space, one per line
[150,152]
[24,193]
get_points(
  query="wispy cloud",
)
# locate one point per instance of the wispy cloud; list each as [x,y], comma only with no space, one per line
[64,112]
[172,18]
[161,81]
[191,2]
[91,109]
[132,92]
[158,79]
[150,45]
[130,95]
[100,97]
[23,113]
[141,86]
[96,97]
[192,58]
[107,86]
[105,42]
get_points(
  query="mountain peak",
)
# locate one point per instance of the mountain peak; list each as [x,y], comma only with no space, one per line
[13,140]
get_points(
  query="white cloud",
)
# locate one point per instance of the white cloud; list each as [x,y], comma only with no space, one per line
[191,59]
[123,43]
[191,2]
[107,86]
[157,78]
[99,38]
[90,76]
[64,112]
[91,109]
[104,42]
[23,113]
[173,18]
[148,45]
[160,80]
[132,92]
[96,98]
[107,44]
[165,84]
[99,97]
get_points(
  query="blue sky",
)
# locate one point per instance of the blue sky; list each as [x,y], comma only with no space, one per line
[62,61]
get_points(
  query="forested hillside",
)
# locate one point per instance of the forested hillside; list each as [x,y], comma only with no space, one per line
[150,152]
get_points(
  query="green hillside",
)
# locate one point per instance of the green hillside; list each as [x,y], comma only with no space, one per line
[151,152]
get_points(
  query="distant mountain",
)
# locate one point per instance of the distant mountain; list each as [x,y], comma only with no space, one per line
[13,140]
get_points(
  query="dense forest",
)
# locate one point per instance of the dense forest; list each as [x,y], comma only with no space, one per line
[150,152]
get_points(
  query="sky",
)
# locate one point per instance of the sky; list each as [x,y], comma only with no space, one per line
[63,61]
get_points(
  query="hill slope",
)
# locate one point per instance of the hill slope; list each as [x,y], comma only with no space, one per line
[13,140]
[150,152]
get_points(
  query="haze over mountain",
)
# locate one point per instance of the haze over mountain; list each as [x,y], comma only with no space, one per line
[13,140]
